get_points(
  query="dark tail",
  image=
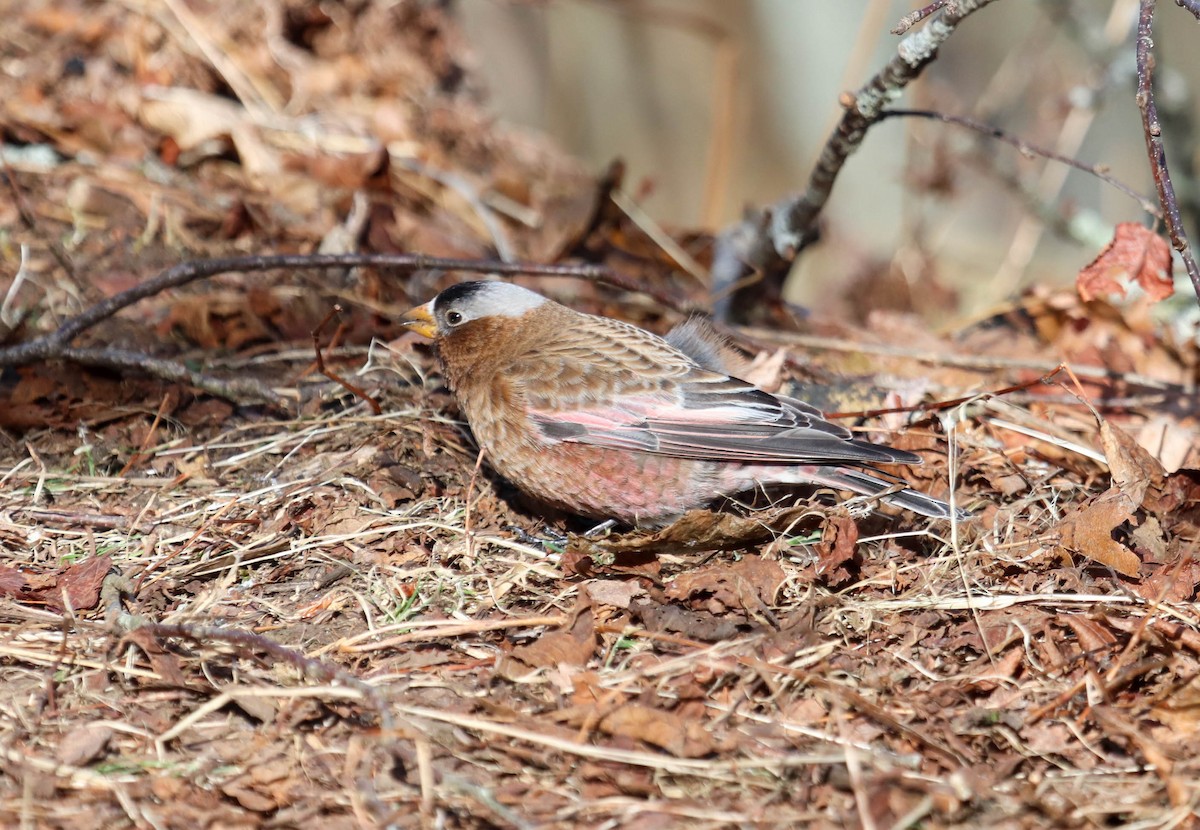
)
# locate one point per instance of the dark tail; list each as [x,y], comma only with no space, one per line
[869,485]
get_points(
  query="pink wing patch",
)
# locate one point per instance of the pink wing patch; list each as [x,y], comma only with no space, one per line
[725,420]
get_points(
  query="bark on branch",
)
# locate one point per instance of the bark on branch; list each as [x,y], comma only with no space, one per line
[767,241]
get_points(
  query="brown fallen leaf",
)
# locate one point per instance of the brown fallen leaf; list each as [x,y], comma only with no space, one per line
[83,744]
[701,626]
[1138,479]
[1088,532]
[1175,445]
[162,661]
[836,552]
[705,530]
[680,737]
[573,645]
[249,798]
[739,586]
[1136,253]
[615,592]
[81,582]
[766,370]
[991,676]
[1094,638]
[13,583]
[1133,469]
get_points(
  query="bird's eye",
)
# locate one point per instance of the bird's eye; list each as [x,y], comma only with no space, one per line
[454,318]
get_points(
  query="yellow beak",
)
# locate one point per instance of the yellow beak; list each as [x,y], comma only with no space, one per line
[420,319]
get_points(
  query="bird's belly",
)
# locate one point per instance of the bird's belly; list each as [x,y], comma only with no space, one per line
[603,483]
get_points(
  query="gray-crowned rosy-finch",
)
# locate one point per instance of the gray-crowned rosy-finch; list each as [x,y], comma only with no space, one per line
[600,418]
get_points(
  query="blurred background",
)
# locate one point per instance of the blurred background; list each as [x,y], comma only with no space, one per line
[719,104]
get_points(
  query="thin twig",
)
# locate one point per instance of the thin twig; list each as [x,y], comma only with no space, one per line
[912,19]
[1192,6]
[1154,143]
[768,241]
[239,390]
[53,344]
[315,669]
[332,375]
[1028,149]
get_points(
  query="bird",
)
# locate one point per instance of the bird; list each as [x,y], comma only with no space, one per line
[599,418]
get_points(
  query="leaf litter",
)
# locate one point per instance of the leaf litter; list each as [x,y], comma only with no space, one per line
[213,615]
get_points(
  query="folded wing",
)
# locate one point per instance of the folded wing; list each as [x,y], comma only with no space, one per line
[712,417]
[643,393]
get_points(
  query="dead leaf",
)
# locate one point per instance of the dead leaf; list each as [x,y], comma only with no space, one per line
[83,744]
[739,586]
[249,798]
[1149,541]
[1094,638]
[704,530]
[573,645]
[666,730]
[13,583]
[1133,469]
[163,662]
[993,675]
[192,118]
[1135,252]
[217,320]
[766,370]
[700,626]
[837,549]
[615,592]
[89,197]
[1174,578]
[1088,532]
[81,582]
[1175,445]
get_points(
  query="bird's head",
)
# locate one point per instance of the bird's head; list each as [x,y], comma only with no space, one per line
[461,308]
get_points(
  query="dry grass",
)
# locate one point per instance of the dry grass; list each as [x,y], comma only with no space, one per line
[962,676]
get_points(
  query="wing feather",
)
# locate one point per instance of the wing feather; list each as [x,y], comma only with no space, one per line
[611,384]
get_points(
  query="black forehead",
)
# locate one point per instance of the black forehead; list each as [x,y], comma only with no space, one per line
[457,293]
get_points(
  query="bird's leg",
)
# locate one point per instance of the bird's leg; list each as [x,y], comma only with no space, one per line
[550,540]
[601,529]
[554,540]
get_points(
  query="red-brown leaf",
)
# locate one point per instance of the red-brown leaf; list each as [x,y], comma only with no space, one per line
[1135,252]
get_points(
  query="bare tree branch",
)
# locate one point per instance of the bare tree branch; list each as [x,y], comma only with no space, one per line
[766,242]
[57,345]
[1028,149]
[910,20]
[246,642]
[123,361]
[1191,5]
[1154,142]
